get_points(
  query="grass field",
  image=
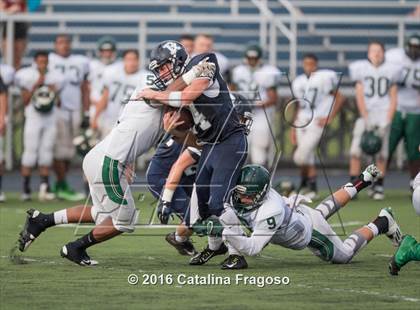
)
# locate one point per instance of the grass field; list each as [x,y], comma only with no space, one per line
[46,281]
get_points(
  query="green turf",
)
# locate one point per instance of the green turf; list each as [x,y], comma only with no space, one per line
[47,281]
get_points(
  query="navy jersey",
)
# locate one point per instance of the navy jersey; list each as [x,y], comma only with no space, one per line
[214,117]
[167,152]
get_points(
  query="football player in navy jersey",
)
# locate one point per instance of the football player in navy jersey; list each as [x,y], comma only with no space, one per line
[216,126]
[171,174]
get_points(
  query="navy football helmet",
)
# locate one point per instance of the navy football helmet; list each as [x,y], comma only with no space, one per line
[170,53]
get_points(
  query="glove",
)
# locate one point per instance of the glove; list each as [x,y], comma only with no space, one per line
[85,121]
[208,227]
[164,211]
[202,69]
[205,69]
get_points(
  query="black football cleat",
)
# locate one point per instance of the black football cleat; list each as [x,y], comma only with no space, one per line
[33,227]
[183,248]
[76,255]
[234,262]
[204,256]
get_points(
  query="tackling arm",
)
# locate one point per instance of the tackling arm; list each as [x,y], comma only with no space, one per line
[234,235]
[183,162]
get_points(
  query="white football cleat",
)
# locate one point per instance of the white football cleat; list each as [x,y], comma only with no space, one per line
[44,194]
[394,231]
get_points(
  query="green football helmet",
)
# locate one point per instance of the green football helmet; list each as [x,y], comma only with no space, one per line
[412,47]
[371,142]
[254,182]
[43,99]
[85,142]
[253,51]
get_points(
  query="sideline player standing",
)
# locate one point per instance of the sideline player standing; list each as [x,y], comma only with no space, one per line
[317,94]
[39,87]
[376,98]
[406,122]
[119,82]
[74,100]
[6,76]
[258,83]
[106,56]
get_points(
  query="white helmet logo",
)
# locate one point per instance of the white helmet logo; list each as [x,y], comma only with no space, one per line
[172,46]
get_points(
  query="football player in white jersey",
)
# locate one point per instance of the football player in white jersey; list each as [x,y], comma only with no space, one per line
[39,87]
[106,55]
[6,76]
[74,101]
[288,222]
[376,98]
[107,169]
[258,83]
[119,83]
[318,98]
[406,122]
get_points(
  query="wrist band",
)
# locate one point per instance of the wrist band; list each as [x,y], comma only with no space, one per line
[167,194]
[175,99]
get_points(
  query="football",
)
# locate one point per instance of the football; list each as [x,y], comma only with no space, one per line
[185,116]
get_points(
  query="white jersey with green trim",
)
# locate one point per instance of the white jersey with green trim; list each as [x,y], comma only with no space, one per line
[253,83]
[376,83]
[409,80]
[137,131]
[96,71]
[317,90]
[75,68]
[120,86]
[276,222]
[7,74]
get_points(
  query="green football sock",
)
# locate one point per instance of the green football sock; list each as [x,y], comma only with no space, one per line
[409,250]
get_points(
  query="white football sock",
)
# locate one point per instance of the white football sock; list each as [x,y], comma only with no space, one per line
[215,243]
[60,217]
[179,238]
